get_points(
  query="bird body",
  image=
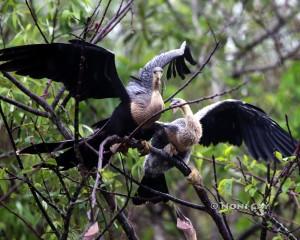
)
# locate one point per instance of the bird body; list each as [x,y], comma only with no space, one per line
[184,133]
[177,139]
[145,107]
[231,121]
[89,71]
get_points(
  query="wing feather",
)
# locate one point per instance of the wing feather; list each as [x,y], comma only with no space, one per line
[234,121]
[175,58]
[61,62]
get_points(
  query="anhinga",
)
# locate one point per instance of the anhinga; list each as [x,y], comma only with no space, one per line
[231,121]
[93,67]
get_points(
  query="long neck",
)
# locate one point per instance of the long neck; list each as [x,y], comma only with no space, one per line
[188,116]
[155,84]
[187,111]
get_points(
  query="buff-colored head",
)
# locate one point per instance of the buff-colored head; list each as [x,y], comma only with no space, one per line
[157,75]
[176,104]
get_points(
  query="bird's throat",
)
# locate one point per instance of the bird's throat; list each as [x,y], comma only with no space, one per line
[144,111]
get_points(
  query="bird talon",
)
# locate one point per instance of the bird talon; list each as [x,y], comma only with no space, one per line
[119,147]
[195,178]
[145,149]
[170,149]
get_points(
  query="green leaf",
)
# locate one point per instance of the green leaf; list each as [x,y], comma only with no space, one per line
[3,183]
[287,185]
[278,237]
[278,155]
[297,189]
[108,174]
[225,187]
[228,151]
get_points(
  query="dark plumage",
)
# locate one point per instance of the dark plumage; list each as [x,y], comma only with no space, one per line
[60,62]
[235,122]
[99,79]
[231,121]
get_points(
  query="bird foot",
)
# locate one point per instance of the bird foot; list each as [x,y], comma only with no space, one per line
[170,149]
[119,147]
[145,149]
[195,178]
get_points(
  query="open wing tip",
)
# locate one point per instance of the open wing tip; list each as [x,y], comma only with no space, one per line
[183,45]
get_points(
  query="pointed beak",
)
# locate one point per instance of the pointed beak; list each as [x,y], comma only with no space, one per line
[172,104]
[174,110]
[159,75]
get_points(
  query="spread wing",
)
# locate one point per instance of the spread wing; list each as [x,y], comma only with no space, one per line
[175,58]
[62,62]
[236,122]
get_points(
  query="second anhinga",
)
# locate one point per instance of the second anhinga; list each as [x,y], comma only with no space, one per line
[231,121]
[93,68]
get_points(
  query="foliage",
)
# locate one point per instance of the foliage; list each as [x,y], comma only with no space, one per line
[260,44]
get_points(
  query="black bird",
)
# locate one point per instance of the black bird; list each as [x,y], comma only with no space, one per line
[95,67]
[231,121]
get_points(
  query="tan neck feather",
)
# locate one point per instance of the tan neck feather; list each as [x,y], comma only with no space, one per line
[156,84]
[187,111]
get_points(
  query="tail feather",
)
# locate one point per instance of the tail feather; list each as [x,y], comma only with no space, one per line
[157,183]
[47,147]
[68,159]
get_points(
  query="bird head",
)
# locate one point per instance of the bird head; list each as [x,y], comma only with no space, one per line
[157,75]
[176,102]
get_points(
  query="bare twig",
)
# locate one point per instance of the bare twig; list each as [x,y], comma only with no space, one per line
[58,97]
[120,216]
[54,22]
[101,21]
[70,209]
[25,107]
[187,102]
[30,7]
[195,74]
[290,55]
[219,196]
[31,188]
[64,131]
[28,225]
[113,22]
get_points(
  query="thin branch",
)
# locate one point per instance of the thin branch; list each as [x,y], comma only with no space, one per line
[176,15]
[165,195]
[7,155]
[55,20]
[25,107]
[64,131]
[70,209]
[31,188]
[280,23]
[101,21]
[250,232]
[58,97]
[113,22]
[119,216]
[187,102]
[36,21]
[290,55]
[219,196]
[26,179]
[10,191]
[195,74]
[38,236]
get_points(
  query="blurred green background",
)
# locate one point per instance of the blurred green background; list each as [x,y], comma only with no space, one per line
[259,43]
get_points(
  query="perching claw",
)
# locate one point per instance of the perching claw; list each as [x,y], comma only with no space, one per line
[145,149]
[195,178]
